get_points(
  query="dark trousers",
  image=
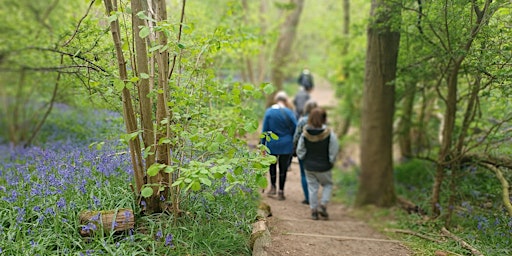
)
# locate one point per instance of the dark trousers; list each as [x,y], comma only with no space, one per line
[283,161]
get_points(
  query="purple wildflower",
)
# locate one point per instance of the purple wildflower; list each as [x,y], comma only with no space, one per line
[168,240]
[159,234]
[61,203]
[49,211]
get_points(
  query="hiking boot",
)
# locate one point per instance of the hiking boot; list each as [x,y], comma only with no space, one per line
[305,201]
[280,195]
[323,212]
[314,215]
[272,191]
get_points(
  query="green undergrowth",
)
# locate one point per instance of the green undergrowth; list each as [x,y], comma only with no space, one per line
[479,217]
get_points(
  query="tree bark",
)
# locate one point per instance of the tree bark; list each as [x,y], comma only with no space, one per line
[143,86]
[404,128]
[128,111]
[376,179]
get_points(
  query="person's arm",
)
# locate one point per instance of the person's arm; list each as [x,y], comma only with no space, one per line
[298,132]
[334,147]
[301,148]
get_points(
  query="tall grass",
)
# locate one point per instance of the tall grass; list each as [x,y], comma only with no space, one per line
[81,165]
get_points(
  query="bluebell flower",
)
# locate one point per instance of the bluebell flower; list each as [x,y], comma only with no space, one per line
[159,234]
[168,240]
[61,203]
[96,217]
[49,211]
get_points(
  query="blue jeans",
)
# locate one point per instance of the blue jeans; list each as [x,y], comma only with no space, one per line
[303,180]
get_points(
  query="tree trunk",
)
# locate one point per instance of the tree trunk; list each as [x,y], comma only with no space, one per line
[163,150]
[346,35]
[284,46]
[447,156]
[143,86]
[376,179]
[404,128]
[128,111]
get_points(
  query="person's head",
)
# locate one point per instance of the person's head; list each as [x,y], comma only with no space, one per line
[281,97]
[309,105]
[317,118]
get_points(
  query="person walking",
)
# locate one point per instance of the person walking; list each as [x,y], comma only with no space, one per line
[318,147]
[308,106]
[306,79]
[300,100]
[279,120]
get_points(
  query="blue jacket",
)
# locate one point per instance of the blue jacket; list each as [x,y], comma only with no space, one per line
[281,121]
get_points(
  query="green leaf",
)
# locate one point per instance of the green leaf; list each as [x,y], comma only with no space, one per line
[195,186]
[206,181]
[144,32]
[144,76]
[119,85]
[268,88]
[238,170]
[262,181]
[112,18]
[169,169]
[154,169]
[274,136]
[146,192]
[181,46]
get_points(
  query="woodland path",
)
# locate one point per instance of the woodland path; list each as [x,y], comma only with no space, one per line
[294,233]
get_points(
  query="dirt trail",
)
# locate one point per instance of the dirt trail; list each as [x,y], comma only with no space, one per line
[294,233]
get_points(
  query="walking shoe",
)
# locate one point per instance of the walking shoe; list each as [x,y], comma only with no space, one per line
[323,212]
[280,195]
[272,191]
[314,215]
[305,201]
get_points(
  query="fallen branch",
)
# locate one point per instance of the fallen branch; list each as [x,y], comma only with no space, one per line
[410,232]
[465,245]
[346,237]
[504,187]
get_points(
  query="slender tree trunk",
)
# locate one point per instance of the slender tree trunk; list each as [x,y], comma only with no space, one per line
[346,34]
[142,67]
[263,56]
[284,46]
[448,157]
[376,179]
[162,149]
[404,128]
[128,111]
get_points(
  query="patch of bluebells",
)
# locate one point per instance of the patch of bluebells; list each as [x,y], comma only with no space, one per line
[46,184]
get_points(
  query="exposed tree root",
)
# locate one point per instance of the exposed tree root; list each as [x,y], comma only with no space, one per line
[463,243]
[504,186]
[410,232]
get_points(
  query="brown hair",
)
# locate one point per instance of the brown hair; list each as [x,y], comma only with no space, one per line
[317,117]
[310,104]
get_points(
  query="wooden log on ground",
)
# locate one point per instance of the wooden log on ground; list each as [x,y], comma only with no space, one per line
[106,221]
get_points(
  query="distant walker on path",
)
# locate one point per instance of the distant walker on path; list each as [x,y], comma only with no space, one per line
[306,79]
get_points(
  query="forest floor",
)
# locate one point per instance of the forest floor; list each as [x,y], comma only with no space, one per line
[293,232]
